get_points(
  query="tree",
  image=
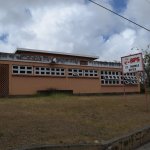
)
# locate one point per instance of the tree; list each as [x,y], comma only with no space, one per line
[147,64]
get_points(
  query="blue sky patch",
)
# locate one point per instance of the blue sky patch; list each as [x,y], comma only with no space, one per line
[119,5]
[28,12]
[105,37]
[86,1]
[4,37]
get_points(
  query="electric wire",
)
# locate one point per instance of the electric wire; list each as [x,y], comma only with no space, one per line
[119,15]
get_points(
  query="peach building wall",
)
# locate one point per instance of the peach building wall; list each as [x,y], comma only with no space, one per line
[30,84]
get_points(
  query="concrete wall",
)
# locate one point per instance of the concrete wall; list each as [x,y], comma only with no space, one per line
[26,85]
[119,88]
[30,84]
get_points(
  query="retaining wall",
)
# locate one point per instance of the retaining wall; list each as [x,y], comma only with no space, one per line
[127,142]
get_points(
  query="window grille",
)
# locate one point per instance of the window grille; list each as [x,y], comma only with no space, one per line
[38,70]
[129,79]
[110,77]
[22,69]
[49,71]
[82,73]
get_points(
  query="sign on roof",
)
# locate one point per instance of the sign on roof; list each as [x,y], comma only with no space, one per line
[132,63]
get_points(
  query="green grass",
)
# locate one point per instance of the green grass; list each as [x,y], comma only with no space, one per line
[62,119]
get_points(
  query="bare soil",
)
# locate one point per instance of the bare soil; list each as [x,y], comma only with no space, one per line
[62,119]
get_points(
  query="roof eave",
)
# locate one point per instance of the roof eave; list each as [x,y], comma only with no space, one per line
[57,53]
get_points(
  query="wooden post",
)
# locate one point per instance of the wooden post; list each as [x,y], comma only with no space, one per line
[124,88]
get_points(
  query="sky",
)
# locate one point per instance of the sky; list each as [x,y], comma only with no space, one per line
[75,26]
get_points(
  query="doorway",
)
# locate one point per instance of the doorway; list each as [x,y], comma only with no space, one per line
[4,80]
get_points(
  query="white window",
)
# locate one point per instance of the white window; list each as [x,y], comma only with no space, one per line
[80,72]
[22,69]
[110,77]
[129,78]
[75,72]
[49,71]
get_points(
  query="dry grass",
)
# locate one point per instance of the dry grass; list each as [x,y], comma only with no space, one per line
[69,119]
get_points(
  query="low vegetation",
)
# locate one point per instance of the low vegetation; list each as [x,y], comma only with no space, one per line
[62,119]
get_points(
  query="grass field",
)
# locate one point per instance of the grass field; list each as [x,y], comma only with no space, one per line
[62,119]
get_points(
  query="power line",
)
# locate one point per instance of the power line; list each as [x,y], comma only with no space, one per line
[120,15]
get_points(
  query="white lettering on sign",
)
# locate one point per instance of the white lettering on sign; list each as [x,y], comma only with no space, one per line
[132,63]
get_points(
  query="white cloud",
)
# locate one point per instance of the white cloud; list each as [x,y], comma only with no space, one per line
[73,26]
[139,11]
[119,45]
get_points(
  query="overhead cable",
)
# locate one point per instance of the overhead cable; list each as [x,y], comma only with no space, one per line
[120,15]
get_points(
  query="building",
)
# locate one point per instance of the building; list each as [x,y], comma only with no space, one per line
[28,71]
